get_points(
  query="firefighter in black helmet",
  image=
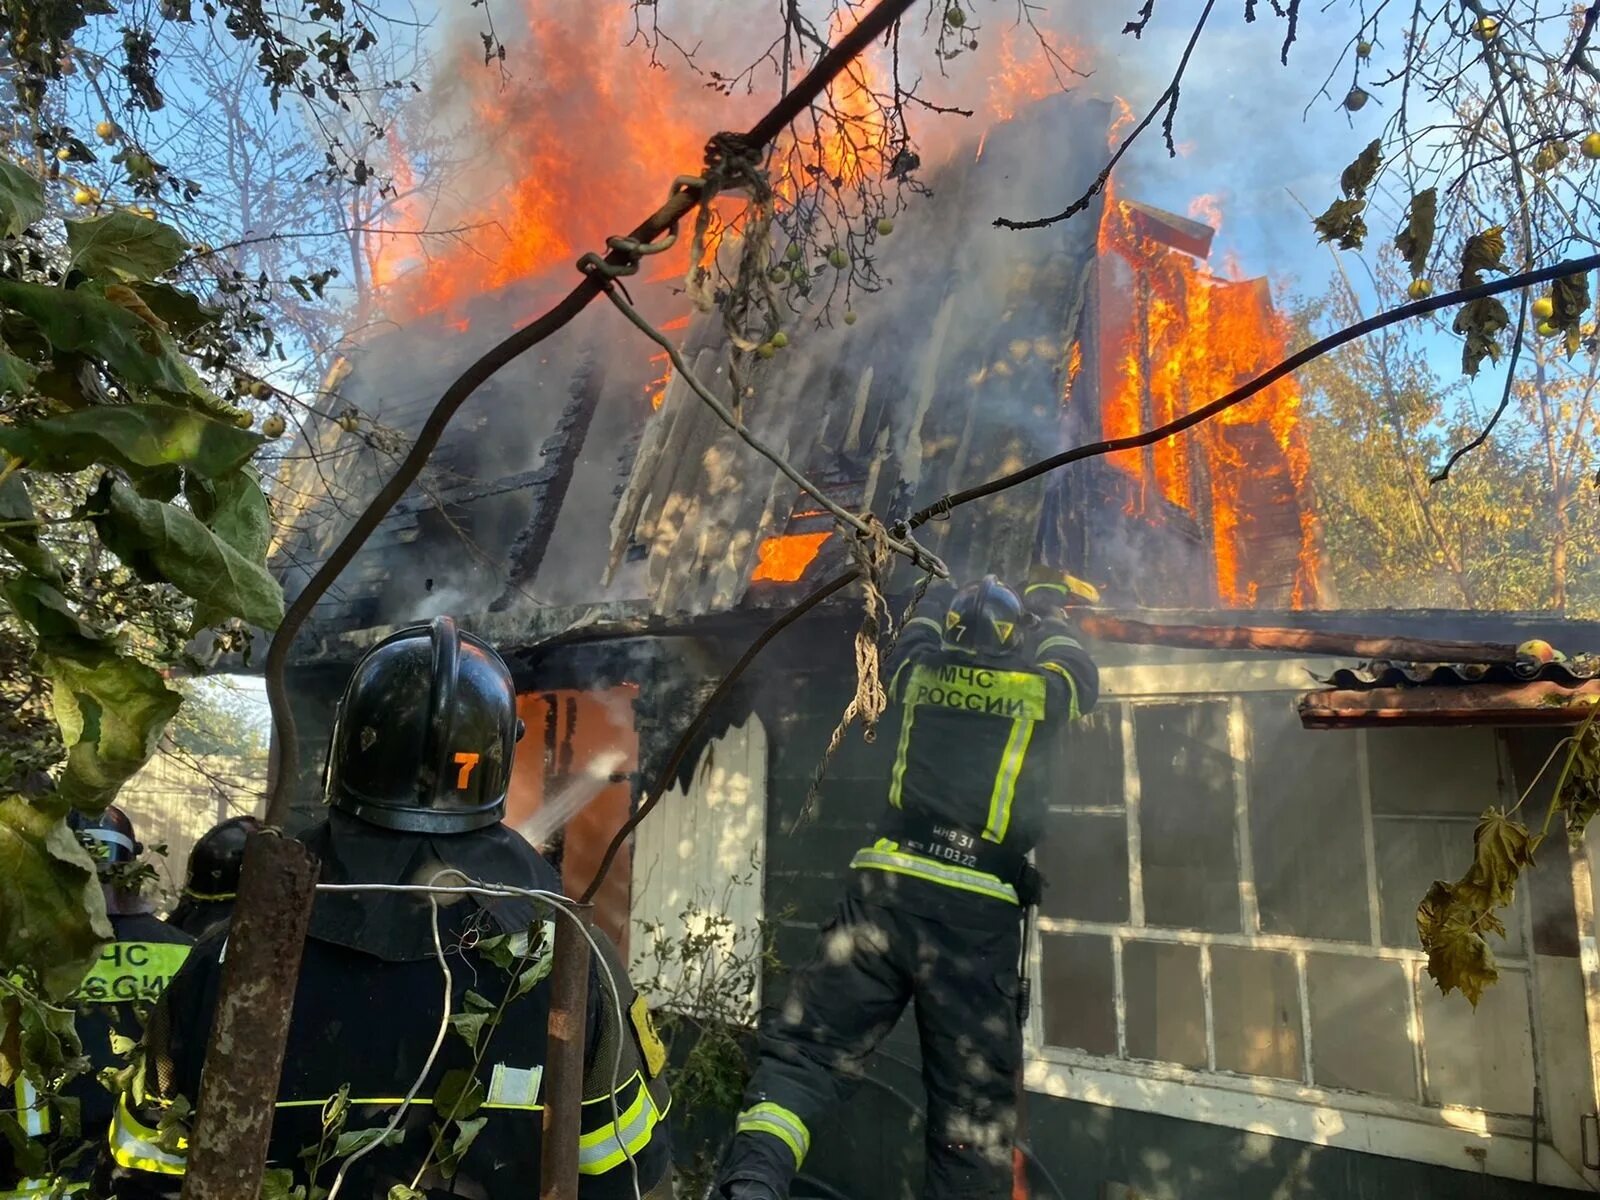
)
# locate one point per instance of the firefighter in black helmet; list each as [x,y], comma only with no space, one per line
[212,880]
[416,777]
[934,912]
[58,1154]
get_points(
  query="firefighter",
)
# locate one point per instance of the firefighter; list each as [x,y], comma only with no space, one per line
[213,876]
[416,779]
[934,910]
[111,1003]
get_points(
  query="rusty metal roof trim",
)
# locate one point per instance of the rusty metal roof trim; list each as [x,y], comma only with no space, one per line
[1539,703]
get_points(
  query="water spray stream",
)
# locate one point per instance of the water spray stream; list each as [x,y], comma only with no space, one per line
[571,799]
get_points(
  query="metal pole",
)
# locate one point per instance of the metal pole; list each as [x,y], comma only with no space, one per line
[563,1066]
[244,1059]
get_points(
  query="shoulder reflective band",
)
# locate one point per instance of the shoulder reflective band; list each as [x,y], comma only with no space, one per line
[614,1143]
[137,1147]
[886,855]
[777,1121]
[1073,712]
[132,971]
[33,1114]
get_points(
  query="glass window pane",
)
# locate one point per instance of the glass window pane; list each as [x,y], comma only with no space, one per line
[1481,1059]
[1359,1025]
[1549,884]
[1084,861]
[1166,1007]
[1412,853]
[1079,993]
[1186,821]
[1306,842]
[1087,760]
[1255,1002]
[1433,770]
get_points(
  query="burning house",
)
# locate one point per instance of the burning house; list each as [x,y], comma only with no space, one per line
[1230,996]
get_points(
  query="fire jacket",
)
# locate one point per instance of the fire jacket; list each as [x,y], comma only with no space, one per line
[362,1028]
[972,765]
[112,1000]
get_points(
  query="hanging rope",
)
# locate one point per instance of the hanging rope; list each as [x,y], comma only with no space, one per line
[870,699]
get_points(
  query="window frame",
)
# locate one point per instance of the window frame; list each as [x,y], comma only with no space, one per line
[1457,1136]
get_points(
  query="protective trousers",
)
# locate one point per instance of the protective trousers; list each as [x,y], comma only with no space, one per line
[870,962]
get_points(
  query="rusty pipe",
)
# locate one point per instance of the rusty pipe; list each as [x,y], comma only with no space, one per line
[563,1064]
[244,1057]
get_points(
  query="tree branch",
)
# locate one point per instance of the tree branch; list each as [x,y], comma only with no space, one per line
[1167,101]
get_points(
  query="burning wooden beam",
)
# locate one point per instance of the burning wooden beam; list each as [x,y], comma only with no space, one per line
[1291,641]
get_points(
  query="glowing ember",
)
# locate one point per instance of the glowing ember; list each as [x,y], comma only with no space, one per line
[1174,338]
[784,559]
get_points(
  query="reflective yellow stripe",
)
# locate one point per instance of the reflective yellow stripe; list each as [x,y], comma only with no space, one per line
[779,1122]
[137,1147]
[898,777]
[886,855]
[612,1144]
[210,899]
[1073,712]
[1005,781]
[132,971]
[981,691]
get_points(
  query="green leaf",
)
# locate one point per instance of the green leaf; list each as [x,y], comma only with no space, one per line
[54,918]
[466,1132]
[16,375]
[1358,176]
[477,1003]
[469,1027]
[533,976]
[123,1047]
[401,1192]
[29,1155]
[1343,223]
[459,1095]
[177,309]
[131,436]
[162,542]
[124,245]
[1415,241]
[42,606]
[20,539]
[1481,323]
[80,322]
[21,199]
[1502,849]
[278,1184]
[110,709]
[1458,955]
[359,1139]
[234,508]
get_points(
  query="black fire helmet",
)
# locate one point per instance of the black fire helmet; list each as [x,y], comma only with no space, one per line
[423,738]
[217,858]
[109,837]
[985,617]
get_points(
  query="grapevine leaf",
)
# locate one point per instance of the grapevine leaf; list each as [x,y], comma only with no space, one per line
[21,199]
[54,918]
[1358,176]
[1343,223]
[134,437]
[164,543]
[1481,323]
[124,245]
[79,322]
[1458,955]
[1502,849]
[1415,241]
[111,710]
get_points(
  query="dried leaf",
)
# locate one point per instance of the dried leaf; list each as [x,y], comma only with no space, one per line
[1502,849]
[1578,790]
[126,297]
[1343,223]
[1458,955]
[1415,241]
[1358,176]
[1483,252]
[1481,322]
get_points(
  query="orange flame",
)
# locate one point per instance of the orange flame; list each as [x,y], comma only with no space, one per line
[1174,338]
[784,559]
